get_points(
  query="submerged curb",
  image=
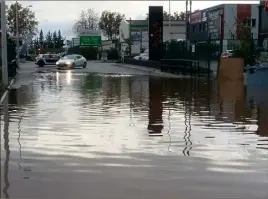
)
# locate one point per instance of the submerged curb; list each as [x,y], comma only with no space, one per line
[7,90]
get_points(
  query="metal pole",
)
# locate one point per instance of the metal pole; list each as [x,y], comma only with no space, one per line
[140,40]
[169,18]
[4,43]
[186,21]
[17,36]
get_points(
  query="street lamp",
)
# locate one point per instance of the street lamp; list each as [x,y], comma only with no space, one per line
[17,34]
[4,43]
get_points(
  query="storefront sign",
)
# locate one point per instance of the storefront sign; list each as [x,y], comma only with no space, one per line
[214,23]
[266,5]
[204,17]
[195,17]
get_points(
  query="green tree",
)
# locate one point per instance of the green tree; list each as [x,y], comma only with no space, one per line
[49,41]
[60,40]
[87,20]
[27,21]
[54,39]
[109,23]
[41,38]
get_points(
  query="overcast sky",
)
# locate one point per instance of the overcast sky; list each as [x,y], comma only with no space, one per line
[55,15]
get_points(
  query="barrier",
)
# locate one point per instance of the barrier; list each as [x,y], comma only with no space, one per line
[231,69]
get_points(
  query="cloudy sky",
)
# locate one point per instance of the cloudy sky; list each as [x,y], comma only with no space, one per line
[54,15]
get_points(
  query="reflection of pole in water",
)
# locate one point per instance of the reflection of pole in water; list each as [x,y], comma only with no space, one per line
[187,132]
[6,146]
[19,130]
[169,128]
[155,125]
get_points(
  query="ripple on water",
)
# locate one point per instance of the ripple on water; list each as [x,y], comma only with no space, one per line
[135,132]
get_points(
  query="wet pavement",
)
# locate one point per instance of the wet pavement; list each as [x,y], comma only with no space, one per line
[131,134]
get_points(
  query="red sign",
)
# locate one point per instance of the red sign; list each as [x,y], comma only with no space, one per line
[195,17]
[266,5]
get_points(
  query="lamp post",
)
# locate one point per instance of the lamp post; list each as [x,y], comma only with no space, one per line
[4,43]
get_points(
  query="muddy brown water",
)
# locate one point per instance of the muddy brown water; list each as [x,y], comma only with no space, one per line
[102,136]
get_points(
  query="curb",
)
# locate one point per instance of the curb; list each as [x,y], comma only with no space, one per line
[135,68]
[7,90]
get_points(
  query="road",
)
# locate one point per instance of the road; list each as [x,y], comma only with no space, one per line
[111,132]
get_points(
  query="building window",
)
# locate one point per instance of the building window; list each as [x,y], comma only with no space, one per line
[200,27]
[253,23]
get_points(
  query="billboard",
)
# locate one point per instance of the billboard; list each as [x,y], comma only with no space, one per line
[195,17]
[155,32]
[140,35]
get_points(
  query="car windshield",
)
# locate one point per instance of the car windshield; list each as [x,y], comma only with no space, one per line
[68,57]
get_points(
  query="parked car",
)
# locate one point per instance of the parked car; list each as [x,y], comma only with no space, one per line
[227,53]
[46,59]
[71,61]
[143,56]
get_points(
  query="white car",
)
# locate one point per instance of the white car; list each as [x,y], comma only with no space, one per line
[143,56]
[71,61]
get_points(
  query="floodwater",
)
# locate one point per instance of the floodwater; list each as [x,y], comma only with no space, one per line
[121,137]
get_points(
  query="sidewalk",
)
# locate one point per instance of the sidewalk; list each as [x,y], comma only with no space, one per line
[25,75]
[153,71]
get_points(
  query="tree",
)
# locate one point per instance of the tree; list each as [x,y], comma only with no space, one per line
[174,16]
[55,39]
[49,42]
[88,20]
[41,38]
[60,40]
[109,23]
[26,18]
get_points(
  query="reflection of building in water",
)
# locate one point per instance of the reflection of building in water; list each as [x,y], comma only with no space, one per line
[229,102]
[140,90]
[262,120]
[124,89]
[155,112]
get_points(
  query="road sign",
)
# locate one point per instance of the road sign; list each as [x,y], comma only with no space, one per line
[90,41]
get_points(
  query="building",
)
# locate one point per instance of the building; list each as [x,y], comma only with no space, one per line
[139,32]
[220,23]
[263,25]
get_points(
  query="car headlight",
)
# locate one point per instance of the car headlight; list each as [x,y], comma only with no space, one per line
[68,62]
[57,63]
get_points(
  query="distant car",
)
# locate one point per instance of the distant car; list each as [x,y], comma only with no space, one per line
[71,62]
[143,56]
[227,53]
[46,59]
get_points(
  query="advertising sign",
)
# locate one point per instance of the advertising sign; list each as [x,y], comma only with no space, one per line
[139,35]
[214,23]
[195,17]
[155,32]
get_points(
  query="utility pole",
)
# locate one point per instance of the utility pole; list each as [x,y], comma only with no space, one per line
[4,43]
[186,20]
[169,18]
[17,36]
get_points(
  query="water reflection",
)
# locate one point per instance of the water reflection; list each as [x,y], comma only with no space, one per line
[98,130]
[6,147]
[155,112]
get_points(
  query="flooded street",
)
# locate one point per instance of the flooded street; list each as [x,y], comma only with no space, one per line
[80,135]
